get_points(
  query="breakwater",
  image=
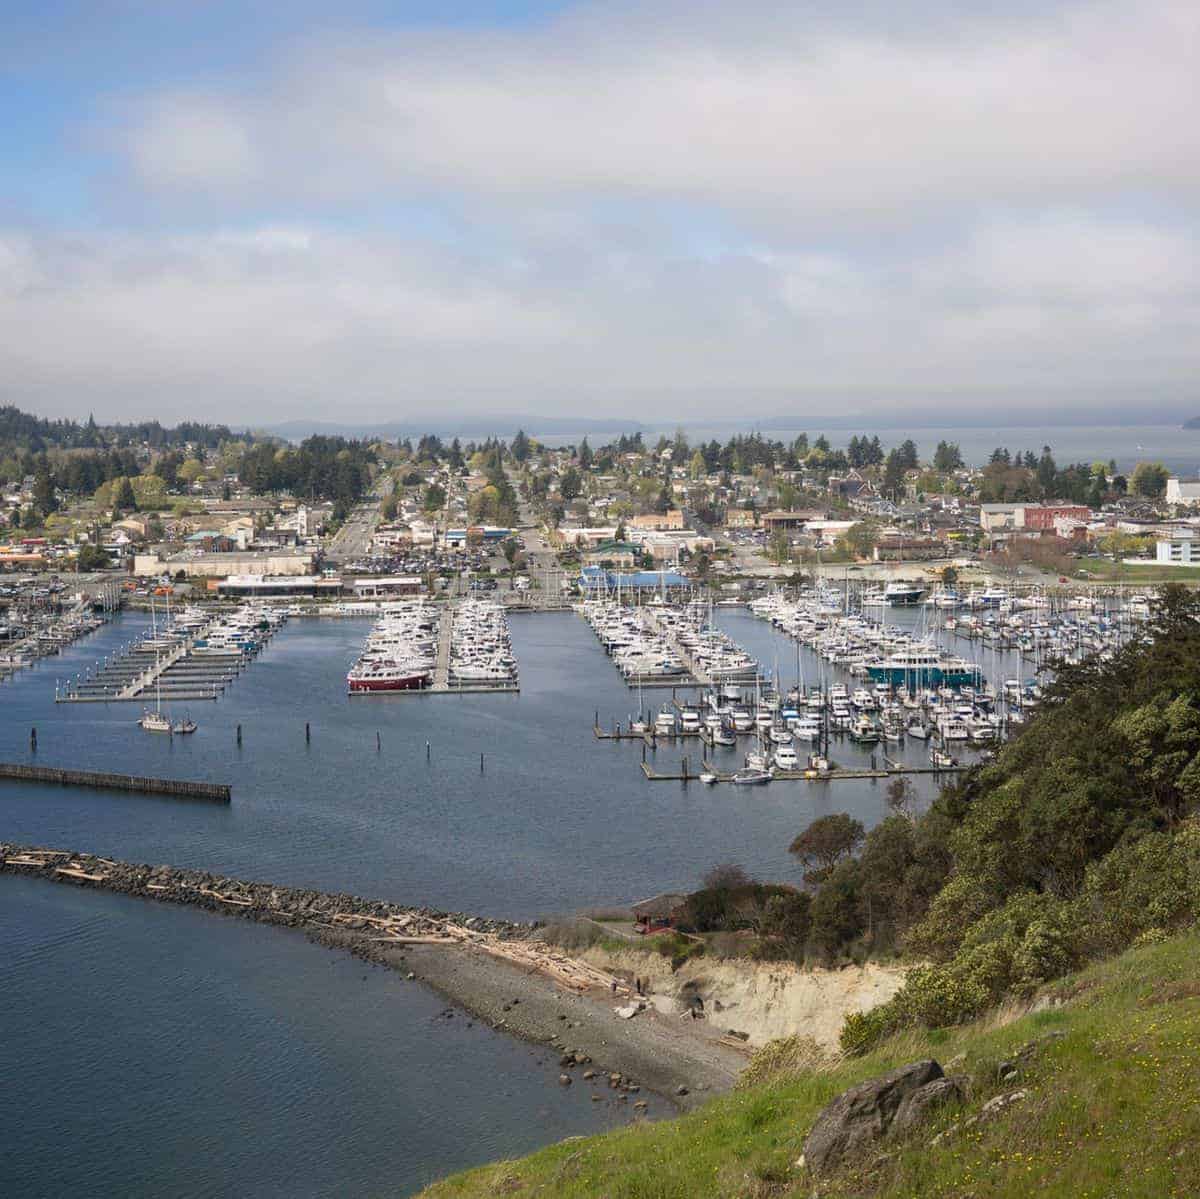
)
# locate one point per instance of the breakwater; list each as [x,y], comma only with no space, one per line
[185,788]
[266,903]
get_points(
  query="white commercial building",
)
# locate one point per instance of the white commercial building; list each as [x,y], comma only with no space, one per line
[1182,549]
[1183,491]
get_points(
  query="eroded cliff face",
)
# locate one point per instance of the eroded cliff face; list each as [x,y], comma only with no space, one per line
[763,1000]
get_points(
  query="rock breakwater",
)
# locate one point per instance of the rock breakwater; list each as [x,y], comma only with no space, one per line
[358,923]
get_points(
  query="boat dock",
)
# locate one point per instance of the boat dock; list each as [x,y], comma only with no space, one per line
[685,774]
[180,673]
[443,682]
[183,788]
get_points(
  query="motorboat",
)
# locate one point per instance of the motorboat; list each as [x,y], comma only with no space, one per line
[749,776]
[902,594]
[786,758]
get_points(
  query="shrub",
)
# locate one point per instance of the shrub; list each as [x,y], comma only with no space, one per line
[788,1056]
[862,1031]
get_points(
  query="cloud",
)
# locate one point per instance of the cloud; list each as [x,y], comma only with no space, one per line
[695,206]
[826,115]
[292,318]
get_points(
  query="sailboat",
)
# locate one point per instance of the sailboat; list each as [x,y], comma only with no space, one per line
[155,722]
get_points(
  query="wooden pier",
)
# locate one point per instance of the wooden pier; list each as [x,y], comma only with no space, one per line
[183,788]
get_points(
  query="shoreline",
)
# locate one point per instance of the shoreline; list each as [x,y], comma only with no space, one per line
[491,969]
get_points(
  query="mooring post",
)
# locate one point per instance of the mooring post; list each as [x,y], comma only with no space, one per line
[426,751]
[33,740]
[685,770]
[307,733]
[481,763]
[643,750]
[239,736]
[378,741]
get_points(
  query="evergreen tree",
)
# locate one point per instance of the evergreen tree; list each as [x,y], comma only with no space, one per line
[44,499]
[125,499]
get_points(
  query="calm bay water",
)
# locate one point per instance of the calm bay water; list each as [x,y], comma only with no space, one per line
[212,1057]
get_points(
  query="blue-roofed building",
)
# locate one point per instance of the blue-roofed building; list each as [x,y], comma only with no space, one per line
[593,579]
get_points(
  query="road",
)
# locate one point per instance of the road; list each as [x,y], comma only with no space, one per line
[353,540]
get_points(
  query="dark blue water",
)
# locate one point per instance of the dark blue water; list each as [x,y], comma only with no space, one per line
[153,1050]
[159,1051]
[556,820]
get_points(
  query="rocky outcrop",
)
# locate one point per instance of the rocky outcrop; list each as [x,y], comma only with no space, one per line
[859,1118]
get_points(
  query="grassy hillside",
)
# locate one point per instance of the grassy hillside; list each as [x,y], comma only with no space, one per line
[1111,1108]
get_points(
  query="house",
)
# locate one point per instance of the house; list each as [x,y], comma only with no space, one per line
[847,486]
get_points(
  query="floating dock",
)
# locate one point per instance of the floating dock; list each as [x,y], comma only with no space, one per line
[686,775]
[184,788]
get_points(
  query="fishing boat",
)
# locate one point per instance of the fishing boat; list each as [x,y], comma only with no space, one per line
[707,777]
[941,759]
[184,726]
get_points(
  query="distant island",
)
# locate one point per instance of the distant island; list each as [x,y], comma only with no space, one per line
[1194,423]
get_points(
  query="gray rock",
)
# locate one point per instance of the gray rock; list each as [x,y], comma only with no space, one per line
[863,1115]
[681,1090]
[917,1107]
[564,1080]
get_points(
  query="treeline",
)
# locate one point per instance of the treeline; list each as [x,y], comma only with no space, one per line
[1079,839]
[1014,478]
[325,468]
[22,432]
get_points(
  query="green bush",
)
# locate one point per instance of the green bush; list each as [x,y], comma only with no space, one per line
[862,1031]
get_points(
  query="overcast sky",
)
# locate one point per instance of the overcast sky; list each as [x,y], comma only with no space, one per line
[255,211]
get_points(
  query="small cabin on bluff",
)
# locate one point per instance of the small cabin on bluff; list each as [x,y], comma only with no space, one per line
[658,913]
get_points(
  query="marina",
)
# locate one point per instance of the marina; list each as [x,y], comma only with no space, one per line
[463,647]
[194,655]
[31,631]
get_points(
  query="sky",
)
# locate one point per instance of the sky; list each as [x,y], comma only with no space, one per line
[672,210]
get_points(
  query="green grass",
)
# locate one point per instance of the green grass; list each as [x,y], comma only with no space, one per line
[1112,1109]
[1101,570]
